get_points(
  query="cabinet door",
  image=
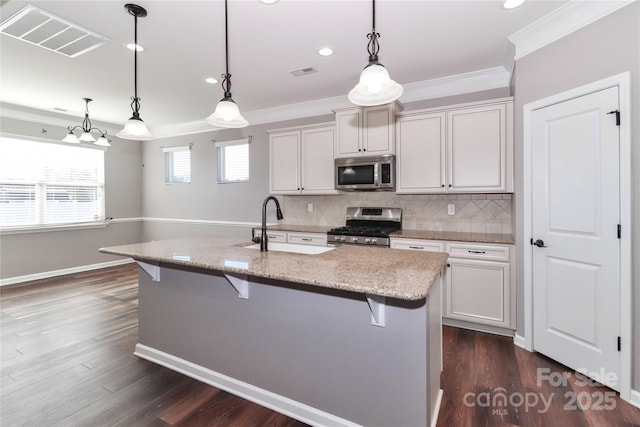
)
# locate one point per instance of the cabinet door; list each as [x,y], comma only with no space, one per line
[349,133]
[478,291]
[477,159]
[421,155]
[378,131]
[316,161]
[284,160]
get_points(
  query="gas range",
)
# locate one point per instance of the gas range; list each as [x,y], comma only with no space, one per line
[367,226]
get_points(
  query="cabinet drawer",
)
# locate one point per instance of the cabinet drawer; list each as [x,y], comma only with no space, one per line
[473,251]
[314,239]
[273,236]
[417,245]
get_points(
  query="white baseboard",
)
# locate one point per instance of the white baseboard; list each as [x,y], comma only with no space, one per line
[520,341]
[276,402]
[62,272]
[478,327]
[635,398]
[436,410]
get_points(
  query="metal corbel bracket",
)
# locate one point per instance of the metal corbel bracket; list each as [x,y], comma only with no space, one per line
[152,270]
[240,285]
[377,306]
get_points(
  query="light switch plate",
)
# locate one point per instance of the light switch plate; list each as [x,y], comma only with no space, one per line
[451,209]
[309,207]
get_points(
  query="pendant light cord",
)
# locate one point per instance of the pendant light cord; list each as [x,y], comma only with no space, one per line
[226,78]
[135,104]
[373,47]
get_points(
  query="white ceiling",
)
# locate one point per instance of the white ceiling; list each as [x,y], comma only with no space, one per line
[184,43]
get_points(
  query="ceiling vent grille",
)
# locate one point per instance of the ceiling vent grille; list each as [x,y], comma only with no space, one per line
[41,28]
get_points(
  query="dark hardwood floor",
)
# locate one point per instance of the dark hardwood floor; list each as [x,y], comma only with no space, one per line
[66,360]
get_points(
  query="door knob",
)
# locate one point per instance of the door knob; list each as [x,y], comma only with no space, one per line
[539,243]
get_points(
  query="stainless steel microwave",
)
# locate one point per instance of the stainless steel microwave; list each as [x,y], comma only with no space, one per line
[366,173]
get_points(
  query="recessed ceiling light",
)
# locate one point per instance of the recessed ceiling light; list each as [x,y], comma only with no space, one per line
[512,4]
[325,51]
[131,46]
[211,80]
[268,1]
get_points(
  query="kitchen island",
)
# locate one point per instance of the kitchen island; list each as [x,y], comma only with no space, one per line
[351,336]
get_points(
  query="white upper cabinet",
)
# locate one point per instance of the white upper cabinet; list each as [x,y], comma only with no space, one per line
[367,131]
[301,160]
[477,149]
[316,161]
[466,149]
[421,151]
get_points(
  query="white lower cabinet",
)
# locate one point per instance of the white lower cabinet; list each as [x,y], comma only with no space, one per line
[300,238]
[314,239]
[478,281]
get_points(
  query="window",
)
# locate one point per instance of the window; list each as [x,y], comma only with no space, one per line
[46,183]
[233,160]
[177,164]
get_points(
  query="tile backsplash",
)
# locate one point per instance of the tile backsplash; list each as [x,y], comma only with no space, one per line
[483,213]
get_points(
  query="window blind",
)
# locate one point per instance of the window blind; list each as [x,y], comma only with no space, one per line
[45,183]
[177,164]
[233,160]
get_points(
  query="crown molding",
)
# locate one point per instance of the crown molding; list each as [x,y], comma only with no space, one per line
[561,22]
[475,81]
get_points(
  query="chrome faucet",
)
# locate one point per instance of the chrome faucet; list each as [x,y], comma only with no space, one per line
[264,240]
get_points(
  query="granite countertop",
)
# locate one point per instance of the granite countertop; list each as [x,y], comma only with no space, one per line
[392,273]
[458,236]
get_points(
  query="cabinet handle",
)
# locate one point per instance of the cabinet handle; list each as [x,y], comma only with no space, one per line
[416,247]
[476,252]
[364,149]
[442,185]
[359,149]
[448,265]
[272,236]
[450,185]
[307,239]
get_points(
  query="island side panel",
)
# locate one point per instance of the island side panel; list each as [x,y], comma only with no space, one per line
[313,345]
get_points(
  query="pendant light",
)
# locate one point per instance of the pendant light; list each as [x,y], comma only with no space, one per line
[87,128]
[375,86]
[227,114]
[135,128]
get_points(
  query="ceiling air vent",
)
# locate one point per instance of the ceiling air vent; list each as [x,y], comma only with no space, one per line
[46,30]
[303,71]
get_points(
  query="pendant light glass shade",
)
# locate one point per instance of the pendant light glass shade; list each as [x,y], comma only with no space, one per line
[227,115]
[136,130]
[87,137]
[375,87]
[103,141]
[71,138]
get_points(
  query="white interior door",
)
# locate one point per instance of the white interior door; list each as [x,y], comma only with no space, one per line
[576,212]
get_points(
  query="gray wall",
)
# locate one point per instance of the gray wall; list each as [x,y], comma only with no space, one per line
[31,253]
[607,47]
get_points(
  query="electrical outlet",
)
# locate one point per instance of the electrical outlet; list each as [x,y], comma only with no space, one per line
[451,209]
[309,207]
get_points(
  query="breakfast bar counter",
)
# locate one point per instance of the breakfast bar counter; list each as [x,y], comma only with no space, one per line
[347,336]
